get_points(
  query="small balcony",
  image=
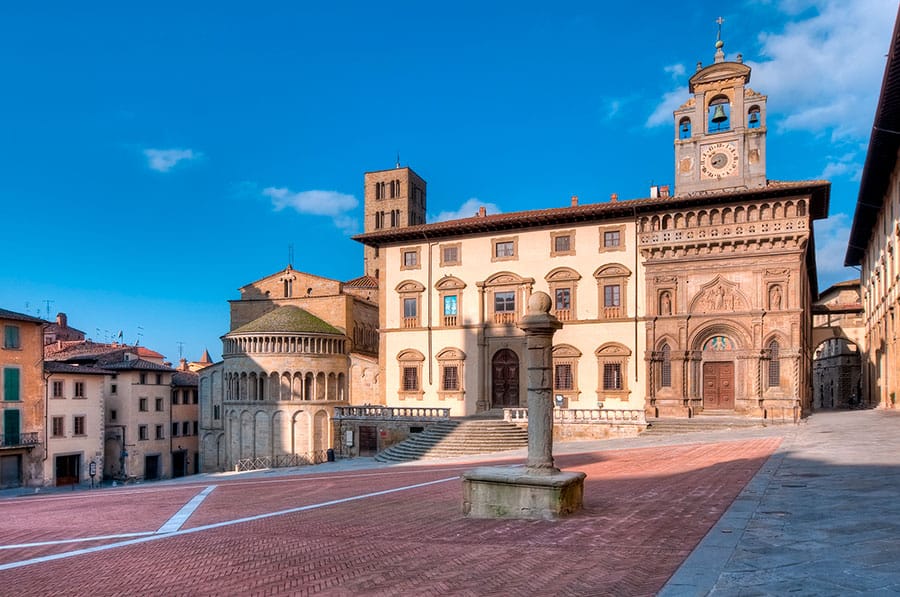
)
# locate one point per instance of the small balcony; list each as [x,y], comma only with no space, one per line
[410,322]
[505,317]
[19,440]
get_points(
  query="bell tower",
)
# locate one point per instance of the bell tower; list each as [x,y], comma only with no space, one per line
[394,198]
[720,132]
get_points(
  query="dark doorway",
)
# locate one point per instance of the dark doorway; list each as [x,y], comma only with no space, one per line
[151,467]
[179,463]
[718,385]
[504,379]
[67,469]
[10,471]
[368,440]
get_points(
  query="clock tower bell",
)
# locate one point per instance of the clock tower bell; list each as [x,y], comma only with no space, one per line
[720,132]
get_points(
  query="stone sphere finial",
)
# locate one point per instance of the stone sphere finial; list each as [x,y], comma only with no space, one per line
[539,303]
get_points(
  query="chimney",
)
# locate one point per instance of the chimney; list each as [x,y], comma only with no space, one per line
[61,320]
[664,191]
[182,364]
[614,197]
[654,192]
[482,212]
[574,200]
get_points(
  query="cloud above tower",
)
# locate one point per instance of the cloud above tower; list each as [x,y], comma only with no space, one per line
[337,206]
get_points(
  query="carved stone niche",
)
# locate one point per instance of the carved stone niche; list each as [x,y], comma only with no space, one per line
[718,296]
[665,303]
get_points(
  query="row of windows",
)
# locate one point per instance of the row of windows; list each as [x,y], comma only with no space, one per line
[143,402]
[384,189]
[507,249]
[58,426]
[774,366]
[144,435]
[185,428]
[506,296]
[58,387]
[718,118]
[184,397]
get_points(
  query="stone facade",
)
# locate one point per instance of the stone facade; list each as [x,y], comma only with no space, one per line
[675,305]
[875,242]
[299,346]
[23,443]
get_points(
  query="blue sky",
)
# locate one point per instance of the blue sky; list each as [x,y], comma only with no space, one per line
[156,157]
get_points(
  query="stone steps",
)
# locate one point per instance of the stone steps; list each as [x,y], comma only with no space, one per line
[457,438]
[704,422]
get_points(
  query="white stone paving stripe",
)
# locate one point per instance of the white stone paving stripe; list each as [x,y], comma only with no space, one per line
[180,517]
[216,525]
[79,540]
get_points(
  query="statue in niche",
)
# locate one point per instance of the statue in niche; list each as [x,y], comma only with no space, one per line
[775,298]
[665,304]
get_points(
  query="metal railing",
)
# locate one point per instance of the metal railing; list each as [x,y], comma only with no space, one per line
[18,440]
[282,461]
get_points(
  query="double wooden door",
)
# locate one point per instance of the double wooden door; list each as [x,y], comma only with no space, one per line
[718,385]
[504,379]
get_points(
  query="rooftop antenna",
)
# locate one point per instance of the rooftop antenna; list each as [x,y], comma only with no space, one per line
[48,302]
[291,255]
[139,334]
[180,350]
[398,159]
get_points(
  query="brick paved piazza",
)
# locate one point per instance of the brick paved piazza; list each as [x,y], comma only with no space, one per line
[378,531]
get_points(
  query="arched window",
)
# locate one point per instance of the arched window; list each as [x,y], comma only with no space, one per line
[665,368]
[774,365]
[753,118]
[684,128]
[718,115]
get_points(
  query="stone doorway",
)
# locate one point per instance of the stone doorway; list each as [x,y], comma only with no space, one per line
[718,385]
[67,469]
[504,379]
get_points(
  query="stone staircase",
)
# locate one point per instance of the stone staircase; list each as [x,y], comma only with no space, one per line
[458,437]
[708,421]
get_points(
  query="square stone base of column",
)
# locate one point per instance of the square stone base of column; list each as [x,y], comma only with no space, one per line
[515,493]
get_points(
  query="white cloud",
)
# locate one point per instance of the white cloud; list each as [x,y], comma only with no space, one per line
[832,235]
[317,203]
[845,165]
[663,112]
[163,160]
[676,70]
[467,210]
[824,72]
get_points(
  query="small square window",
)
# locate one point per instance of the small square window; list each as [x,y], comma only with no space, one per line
[11,336]
[142,432]
[505,249]
[113,415]
[196,426]
[562,377]
[113,388]
[612,376]
[175,397]
[159,432]
[159,378]
[142,404]
[175,429]
[563,299]
[217,412]
[57,389]
[505,302]
[159,405]
[194,397]
[410,307]
[186,428]
[451,305]
[450,255]
[611,238]
[562,244]
[79,389]
[410,258]
[142,378]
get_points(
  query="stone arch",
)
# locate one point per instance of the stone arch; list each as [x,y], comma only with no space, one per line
[561,274]
[300,424]
[449,283]
[321,437]
[410,286]
[739,335]
[247,445]
[279,443]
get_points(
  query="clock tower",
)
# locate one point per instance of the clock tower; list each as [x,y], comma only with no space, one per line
[720,132]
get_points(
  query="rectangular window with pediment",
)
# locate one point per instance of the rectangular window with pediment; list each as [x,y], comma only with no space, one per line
[411,312]
[505,306]
[565,372]
[450,362]
[612,283]
[612,360]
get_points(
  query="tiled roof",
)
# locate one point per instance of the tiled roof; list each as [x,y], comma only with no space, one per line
[81,348]
[362,282]
[143,351]
[59,367]
[185,378]
[287,319]
[588,212]
[5,314]
[136,365]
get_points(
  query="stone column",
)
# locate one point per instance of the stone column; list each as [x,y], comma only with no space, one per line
[539,326]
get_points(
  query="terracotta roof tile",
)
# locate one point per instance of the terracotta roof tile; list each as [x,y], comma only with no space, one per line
[6,314]
[362,282]
[59,367]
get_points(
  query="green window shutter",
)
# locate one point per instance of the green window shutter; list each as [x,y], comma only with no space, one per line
[10,384]
[11,336]
[10,427]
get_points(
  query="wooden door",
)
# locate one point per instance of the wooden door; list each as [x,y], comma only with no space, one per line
[505,379]
[368,440]
[67,469]
[718,385]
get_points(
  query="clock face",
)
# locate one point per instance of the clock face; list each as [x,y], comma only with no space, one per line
[718,160]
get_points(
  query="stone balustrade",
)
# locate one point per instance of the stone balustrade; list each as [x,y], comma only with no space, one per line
[562,416]
[419,413]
